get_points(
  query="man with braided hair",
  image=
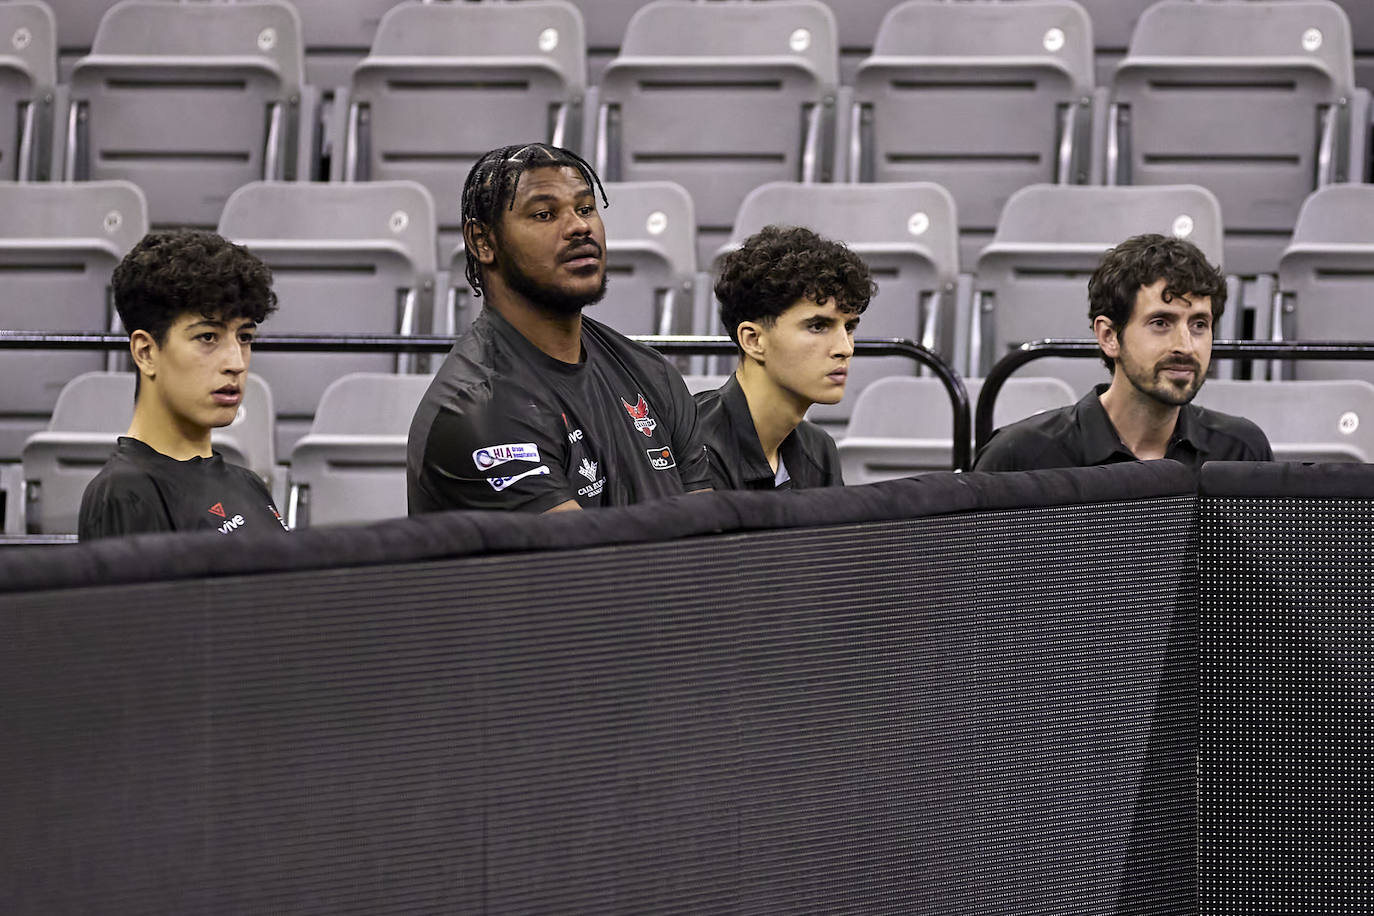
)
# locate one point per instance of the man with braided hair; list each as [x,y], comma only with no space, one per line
[537,407]
[790,300]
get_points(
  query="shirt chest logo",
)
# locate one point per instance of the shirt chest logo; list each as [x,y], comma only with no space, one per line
[489,456]
[639,413]
[588,469]
[660,459]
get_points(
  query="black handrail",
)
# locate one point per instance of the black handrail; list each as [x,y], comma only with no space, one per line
[1225,349]
[397,343]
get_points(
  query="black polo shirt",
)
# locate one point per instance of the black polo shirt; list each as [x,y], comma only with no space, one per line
[1082,435]
[141,490]
[737,459]
[506,426]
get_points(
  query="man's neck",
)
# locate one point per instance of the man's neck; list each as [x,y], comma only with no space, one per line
[558,335]
[163,432]
[1144,424]
[775,412]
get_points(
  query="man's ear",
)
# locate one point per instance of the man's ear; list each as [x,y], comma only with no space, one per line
[477,238]
[1106,336]
[144,351]
[751,340]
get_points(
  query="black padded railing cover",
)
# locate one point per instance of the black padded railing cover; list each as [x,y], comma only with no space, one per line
[931,696]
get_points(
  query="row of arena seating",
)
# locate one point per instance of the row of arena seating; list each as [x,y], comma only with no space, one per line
[350,467]
[1254,99]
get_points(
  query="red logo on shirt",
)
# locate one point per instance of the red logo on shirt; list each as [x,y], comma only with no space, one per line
[217,509]
[640,414]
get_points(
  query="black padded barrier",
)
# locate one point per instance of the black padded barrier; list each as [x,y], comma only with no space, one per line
[1286,765]
[937,695]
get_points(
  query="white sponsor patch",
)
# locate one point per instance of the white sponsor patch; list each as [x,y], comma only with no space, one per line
[489,456]
[500,483]
[661,459]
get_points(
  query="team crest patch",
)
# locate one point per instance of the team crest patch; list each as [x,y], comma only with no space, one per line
[588,469]
[640,414]
[489,456]
[661,459]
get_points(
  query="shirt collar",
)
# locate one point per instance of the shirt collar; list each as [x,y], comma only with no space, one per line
[1102,443]
[742,430]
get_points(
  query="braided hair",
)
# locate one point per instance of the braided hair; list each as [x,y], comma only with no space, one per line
[492,181]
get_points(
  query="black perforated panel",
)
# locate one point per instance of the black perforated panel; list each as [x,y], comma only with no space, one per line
[1286,777]
[981,713]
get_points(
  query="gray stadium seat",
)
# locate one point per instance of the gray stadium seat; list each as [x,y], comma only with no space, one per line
[58,246]
[902,426]
[906,233]
[1252,100]
[1032,281]
[445,82]
[345,259]
[189,101]
[337,36]
[28,83]
[352,465]
[1326,277]
[1113,22]
[983,98]
[94,410]
[1305,421]
[720,98]
[699,383]
[77,21]
[605,22]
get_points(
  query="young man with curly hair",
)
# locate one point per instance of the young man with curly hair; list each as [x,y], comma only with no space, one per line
[537,407]
[1152,303]
[191,303]
[790,300]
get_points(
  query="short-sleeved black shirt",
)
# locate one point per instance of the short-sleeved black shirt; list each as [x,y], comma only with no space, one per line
[736,455]
[506,426]
[1082,435]
[141,490]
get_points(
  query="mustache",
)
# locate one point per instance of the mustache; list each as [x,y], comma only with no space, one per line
[1178,364]
[585,248]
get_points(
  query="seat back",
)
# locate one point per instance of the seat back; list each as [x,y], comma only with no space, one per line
[903,426]
[189,101]
[352,466]
[1248,99]
[1326,277]
[58,246]
[720,98]
[1032,281]
[445,82]
[93,410]
[905,232]
[336,36]
[28,81]
[1009,86]
[356,258]
[1326,420]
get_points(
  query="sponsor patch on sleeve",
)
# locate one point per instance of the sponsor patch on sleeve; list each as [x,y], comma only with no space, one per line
[500,483]
[489,456]
[660,459]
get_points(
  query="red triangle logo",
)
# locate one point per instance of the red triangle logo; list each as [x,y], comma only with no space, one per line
[217,509]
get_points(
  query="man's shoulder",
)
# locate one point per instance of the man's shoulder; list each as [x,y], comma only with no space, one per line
[1229,429]
[122,476]
[1033,442]
[649,365]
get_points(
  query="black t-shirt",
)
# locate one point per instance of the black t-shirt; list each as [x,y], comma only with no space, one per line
[737,460]
[1082,435]
[506,426]
[141,490]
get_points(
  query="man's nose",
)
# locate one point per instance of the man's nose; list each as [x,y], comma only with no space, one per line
[844,345]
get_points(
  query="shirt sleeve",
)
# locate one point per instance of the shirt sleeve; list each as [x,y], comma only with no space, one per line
[111,508]
[500,452]
[1258,447]
[998,454]
[688,440]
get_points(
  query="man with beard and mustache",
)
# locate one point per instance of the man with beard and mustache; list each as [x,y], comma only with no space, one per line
[1152,302]
[537,407]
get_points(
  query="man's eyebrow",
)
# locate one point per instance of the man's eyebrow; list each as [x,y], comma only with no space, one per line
[546,197]
[208,322]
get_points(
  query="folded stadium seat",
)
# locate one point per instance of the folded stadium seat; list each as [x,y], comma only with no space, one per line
[93,411]
[982,97]
[28,84]
[77,21]
[857,24]
[189,100]
[337,36]
[1326,278]
[1113,22]
[445,82]
[1252,100]
[345,259]
[605,22]
[905,232]
[58,246]
[720,97]
[903,426]
[1032,281]
[1305,421]
[698,383]
[352,465]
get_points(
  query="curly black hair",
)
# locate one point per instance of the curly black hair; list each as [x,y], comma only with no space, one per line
[492,180]
[1143,260]
[170,273]
[779,265]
